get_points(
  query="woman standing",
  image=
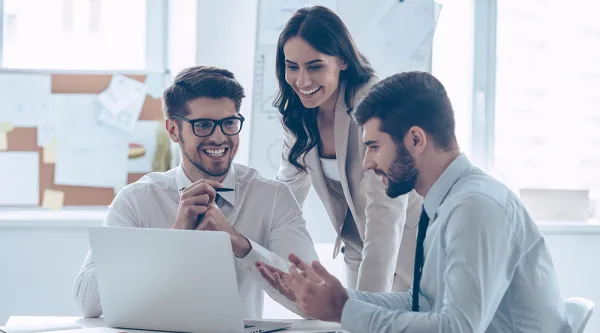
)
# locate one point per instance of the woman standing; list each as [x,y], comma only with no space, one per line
[321,77]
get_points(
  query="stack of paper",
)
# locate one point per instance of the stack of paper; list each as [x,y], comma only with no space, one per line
[39,328]
[65,328]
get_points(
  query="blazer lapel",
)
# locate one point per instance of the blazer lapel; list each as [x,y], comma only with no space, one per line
[341,126]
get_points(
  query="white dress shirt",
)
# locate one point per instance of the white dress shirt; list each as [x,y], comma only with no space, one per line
[487,267]
[263,210]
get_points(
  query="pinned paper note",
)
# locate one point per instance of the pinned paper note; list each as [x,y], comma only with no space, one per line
[6,127]
[23,97]
[19,178]
[155,85]
[50,152]
[126,119]
[3,141]
[121,92]
[53,199]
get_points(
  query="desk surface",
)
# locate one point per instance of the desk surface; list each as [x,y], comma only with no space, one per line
[31,324]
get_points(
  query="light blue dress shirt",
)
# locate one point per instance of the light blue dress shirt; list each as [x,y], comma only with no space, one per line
[487,267]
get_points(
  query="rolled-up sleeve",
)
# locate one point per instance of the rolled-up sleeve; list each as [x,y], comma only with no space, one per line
[288,234]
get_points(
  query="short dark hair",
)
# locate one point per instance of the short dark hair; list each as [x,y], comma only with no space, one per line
[200,81]
[325,31]
[409,99]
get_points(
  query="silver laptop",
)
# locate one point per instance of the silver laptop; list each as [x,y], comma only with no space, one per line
[169,280]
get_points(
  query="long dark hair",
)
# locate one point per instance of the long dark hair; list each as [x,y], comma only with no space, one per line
[326,33]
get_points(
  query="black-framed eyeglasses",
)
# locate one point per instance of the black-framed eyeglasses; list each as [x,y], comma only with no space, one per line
[205,127]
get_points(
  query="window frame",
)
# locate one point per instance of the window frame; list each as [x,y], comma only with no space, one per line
[484,83]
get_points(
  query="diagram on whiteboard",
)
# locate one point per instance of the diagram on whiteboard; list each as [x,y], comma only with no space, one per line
[265,90]
[267,133]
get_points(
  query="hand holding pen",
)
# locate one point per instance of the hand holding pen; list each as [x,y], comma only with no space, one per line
[194,202]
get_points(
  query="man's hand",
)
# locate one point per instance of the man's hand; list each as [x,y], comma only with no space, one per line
[194,202]
[214,220]
[281,280]
[317,293]
[277,278]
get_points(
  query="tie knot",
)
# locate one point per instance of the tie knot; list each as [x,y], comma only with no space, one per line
[424,217]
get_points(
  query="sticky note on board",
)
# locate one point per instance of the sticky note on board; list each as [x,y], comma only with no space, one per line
[3,141]
[6,127]
[50,152]
[53,199]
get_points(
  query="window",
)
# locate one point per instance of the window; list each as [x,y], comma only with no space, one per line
[74,34]
[452,62]
[547,112]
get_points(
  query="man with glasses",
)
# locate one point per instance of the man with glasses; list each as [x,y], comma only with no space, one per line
[210,192]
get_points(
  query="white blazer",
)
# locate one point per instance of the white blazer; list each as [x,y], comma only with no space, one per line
[387,227]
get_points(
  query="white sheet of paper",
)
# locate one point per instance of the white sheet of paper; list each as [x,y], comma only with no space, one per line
[38,329]
[145,134]
[121,92]
[55,114]
[19,172]
[69,115]
[127,118]
[23,98]
[275,13]
[88,153]
[102,165]
[90,330]
[393,39]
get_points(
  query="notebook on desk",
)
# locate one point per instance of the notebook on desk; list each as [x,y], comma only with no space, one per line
[157,279]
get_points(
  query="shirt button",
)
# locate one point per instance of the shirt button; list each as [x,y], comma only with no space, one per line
[249,269]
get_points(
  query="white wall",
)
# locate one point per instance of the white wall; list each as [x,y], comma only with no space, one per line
[226,35]
[39,260]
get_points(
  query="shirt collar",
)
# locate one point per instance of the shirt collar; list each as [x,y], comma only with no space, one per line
[444,183]
[229,181]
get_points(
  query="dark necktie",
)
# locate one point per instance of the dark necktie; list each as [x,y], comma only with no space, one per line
[419,259]
[219,200]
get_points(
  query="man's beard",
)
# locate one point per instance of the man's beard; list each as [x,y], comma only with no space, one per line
[402,174]
[214,173]
[200,166]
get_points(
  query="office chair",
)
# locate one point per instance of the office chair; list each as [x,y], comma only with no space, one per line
[578,311]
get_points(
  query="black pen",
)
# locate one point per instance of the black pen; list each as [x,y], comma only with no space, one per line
[218,189]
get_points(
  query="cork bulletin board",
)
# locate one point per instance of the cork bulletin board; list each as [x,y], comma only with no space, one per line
[25,138]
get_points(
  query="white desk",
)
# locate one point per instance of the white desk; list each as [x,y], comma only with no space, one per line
[30,324]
